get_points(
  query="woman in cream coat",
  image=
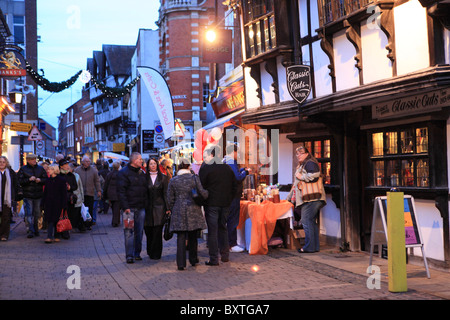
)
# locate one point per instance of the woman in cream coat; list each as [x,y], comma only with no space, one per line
[308,170]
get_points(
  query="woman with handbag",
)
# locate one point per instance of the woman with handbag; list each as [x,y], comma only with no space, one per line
[155,213]
[186,215]
[71,187]
[54,201]
[310,196]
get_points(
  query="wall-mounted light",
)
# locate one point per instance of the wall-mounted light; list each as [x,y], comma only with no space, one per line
[15,96]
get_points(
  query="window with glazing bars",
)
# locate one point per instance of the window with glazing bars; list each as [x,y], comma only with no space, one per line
[321,150]
[400,158]
[259,19]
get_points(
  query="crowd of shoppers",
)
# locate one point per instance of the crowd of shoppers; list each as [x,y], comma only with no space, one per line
[145,195]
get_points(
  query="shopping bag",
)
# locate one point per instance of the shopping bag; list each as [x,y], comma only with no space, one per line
[64,223]
[128,220]
[85,213]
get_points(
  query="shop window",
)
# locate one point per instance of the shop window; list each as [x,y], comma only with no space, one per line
[400,158]
[321,150]
[260,35]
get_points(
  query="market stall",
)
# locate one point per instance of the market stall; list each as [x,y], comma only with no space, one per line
[258,219]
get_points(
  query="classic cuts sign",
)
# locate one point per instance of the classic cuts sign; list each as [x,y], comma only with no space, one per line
[299,82]
[420,103]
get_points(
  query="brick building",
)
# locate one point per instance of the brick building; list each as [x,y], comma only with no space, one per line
[180,25]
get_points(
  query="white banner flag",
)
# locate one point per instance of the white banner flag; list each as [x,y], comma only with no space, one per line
[161,97]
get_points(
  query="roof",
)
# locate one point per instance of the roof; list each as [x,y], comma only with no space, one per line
[119,59]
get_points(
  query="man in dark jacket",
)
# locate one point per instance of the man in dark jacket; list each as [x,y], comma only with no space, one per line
[132,192]
[32,178]
[219,180]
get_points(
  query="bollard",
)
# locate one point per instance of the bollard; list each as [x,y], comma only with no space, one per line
[396,242]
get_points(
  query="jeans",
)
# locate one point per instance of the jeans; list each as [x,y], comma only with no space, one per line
[310,212]
[51,230]
[32,214]
[133,237]
[216,219]
[233,221]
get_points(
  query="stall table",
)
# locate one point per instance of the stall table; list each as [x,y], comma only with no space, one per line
[257,223]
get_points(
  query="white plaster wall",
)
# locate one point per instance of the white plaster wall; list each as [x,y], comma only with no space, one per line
[431,227]
[344,52]
[268,97]
[330,219]
[303,17]
[285,156]
[376,65]
[411,37]
[322,79]
[251,98]
[302,6]
[282,86]
[447,46]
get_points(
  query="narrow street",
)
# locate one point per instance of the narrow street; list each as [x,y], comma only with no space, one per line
[33,270]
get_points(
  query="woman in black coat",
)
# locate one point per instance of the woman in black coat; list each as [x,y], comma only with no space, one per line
[110,193]
[156,209]
[54,201]
[71,186]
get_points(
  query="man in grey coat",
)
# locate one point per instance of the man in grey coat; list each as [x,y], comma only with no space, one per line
[91,184]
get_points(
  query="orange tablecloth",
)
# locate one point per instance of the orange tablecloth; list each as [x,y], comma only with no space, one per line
[264,217]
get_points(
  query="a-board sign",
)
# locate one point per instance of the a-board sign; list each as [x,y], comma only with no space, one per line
[379,235]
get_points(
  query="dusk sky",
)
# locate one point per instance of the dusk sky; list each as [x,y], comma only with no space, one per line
[71,30]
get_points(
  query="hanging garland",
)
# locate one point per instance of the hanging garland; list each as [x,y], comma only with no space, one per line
[50,86]
[115,92]
[110,92]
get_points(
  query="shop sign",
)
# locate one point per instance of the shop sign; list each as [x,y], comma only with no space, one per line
[420,103]
[220,49]
[230,99]
[298,82]
[12,64]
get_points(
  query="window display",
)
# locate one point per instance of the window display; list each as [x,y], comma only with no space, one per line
[400,158]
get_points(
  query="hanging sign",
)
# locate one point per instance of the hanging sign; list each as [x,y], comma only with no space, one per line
[161,97]
[379,233]
[299,82]
[219,47]
[12,64]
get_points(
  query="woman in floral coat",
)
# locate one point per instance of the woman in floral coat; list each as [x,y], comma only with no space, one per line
[186,216]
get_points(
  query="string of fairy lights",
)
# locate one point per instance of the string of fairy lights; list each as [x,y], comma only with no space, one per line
[84,76]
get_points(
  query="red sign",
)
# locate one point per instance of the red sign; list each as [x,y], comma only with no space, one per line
[230,99]
[220,48]
[12,64]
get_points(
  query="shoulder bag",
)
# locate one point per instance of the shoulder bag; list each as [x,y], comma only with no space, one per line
[311,190]
[198,199]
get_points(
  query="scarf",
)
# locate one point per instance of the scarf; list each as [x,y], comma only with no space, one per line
[7,189]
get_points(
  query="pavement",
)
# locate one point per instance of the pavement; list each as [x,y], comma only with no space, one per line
[91,266]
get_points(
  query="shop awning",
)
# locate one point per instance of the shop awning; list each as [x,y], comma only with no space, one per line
[221,121]
[115,156]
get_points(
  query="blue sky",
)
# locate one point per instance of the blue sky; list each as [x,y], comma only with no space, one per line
[71,30]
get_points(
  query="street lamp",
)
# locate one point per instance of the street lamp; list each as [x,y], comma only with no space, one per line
[17,97]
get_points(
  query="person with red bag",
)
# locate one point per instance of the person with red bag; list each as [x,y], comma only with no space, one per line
[55,200]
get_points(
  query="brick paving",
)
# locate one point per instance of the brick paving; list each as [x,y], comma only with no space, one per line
[33,270]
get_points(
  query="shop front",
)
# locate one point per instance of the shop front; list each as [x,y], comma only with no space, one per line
[385,135]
